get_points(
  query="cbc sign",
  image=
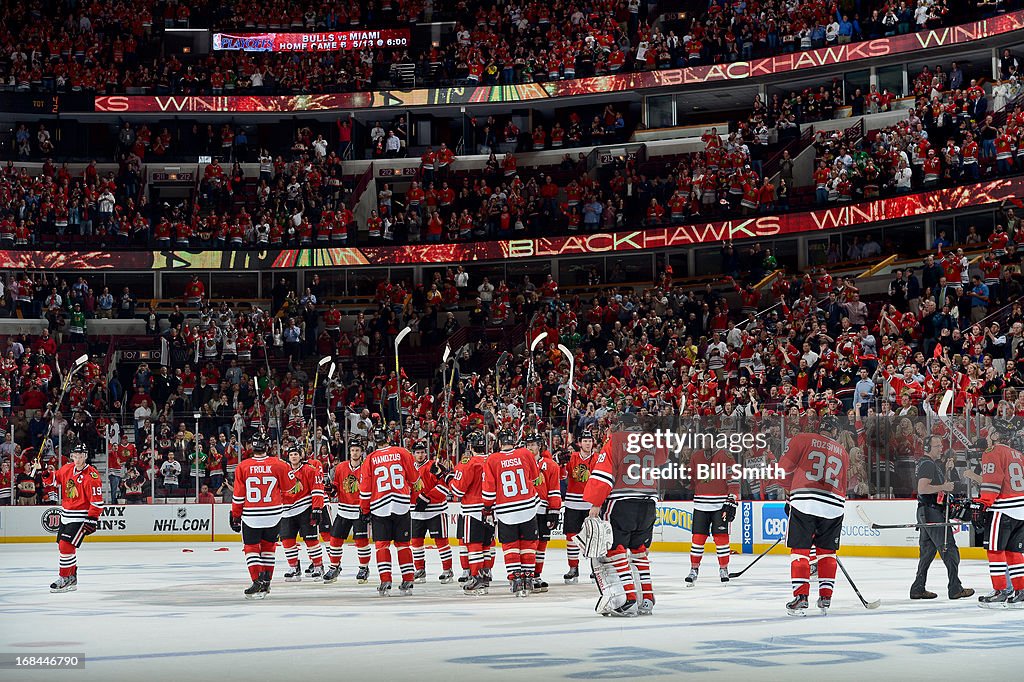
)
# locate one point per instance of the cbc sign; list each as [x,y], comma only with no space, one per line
[774,521]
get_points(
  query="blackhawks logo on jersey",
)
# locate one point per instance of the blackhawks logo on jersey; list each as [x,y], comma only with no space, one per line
[581,473]
[71,491]
[296,489]
[351,484]
[418,485]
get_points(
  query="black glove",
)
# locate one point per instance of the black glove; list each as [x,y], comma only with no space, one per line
[438,469]
[364,518]
[552,520]
[236,523]
[729,510]
[89,525]
[421,504]
[786,509]
[314,517]
[487,515]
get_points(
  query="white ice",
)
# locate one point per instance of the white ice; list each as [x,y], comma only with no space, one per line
[154,612]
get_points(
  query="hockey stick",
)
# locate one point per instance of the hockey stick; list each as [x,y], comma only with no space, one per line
[947,400]
[870,605]
[891,526]
[568,394]
[529,380]
[740,572]
[398,378]
[502,359]
[78,364]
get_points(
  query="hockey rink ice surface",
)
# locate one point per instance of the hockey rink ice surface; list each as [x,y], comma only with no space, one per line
[154,612]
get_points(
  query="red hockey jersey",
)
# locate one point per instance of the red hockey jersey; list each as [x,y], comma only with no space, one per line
[577,473]
[81,493]
[258,495]
[346,482]
[816,475]
[433,489]
[385,481]
[467,485]
[621,472]
[550,489]
[510,485]
[304,490]
[1002,487]
[713,480]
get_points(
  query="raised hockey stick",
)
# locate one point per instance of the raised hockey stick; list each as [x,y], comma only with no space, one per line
[78,364]
[743,570]
[568,393]
[891,526]
[870,605]
[529,381]
[947,400]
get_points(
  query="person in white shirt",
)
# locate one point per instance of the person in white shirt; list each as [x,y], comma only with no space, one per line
[461,279]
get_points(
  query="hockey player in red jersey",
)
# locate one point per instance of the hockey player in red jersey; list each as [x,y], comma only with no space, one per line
[385,490]
[348,520]
[81,503]
[430,514]
[714,508]
[257,503]
[467,486]
[1002,494]
[303,505]
[622,491]
[509,492]
[550,493]
[576,475]
[816,468]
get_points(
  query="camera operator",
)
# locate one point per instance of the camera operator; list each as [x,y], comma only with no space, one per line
[933,478]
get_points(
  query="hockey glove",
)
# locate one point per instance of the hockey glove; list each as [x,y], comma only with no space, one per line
[236,523]
[89,526]
[314,517]
[487,515]
[364,518]
[729,510]
[438,469]
[422,503]
[786,509]
[552,520]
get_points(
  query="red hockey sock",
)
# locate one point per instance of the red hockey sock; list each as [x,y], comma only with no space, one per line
[267,551]
[697,549]
[997,569]
[542,549]
[383,548]
[363,551]
[489,554]
[464,557]
[405,562]
[800,571]
[1015,567]
[722,549]
[475,552]
[291,551]
[335,549]
[620,561]
[528,555]
[510,550]
[813,554]
[826,572]
[444,550]
[642,560]
[253,561]
[572,550]
[418,554]
[68,559]
[316,553]
[325,537]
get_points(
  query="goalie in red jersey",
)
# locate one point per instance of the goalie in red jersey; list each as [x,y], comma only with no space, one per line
[622,490]
[1002,494]
[816,469]
[81,503]
[385,490]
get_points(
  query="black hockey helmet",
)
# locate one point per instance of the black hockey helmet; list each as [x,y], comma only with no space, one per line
[828,423]
[478,442]
[534,438]
[419,445]
[260,443]
[506,437]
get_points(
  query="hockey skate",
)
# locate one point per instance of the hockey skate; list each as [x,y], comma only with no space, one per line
[798,606]
[996,599]
[332,574]
[1016,600]
[723,574]
[363,575]
[384,589]
[539,585]
[485,575]
[265,582]
[691,578]
[646,607]
[572,577]
[522,585]
[309,570]
[255,591]
[446,577]
[66,583]
[464,578]
[627,610]
[823,605]
[405,589]
[421,576]
[294,574]
[475,585]
[317,574]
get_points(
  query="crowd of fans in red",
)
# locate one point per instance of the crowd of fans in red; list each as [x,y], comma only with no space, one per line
[807,345]
[112,46]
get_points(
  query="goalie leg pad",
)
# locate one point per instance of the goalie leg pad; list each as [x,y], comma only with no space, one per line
[613,595]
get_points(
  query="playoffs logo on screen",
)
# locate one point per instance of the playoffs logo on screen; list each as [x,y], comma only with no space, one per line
[50,520]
